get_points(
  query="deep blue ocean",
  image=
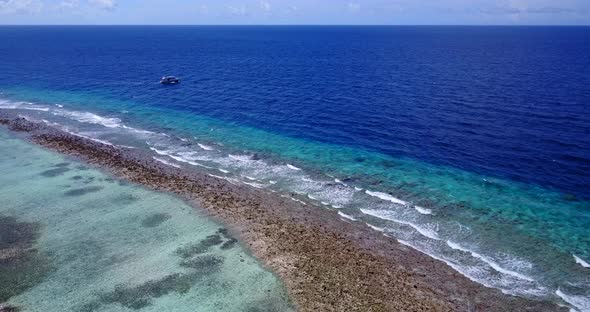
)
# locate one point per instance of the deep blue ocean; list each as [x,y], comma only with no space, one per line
[470,144]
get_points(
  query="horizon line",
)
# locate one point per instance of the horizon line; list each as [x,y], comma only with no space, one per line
[319,25]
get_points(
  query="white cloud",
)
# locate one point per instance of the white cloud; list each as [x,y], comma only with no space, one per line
[265,5]
[237,10]
[353,7]
[104,4]
[69,4]
[20,6]
[203,9]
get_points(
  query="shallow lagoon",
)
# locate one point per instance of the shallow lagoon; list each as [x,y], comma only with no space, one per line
[75,239]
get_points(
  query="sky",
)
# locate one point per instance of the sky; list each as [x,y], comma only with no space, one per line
[315,12]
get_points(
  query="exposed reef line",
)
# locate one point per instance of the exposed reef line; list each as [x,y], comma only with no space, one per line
[327,264]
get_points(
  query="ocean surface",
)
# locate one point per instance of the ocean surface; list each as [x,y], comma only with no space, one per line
[470,144]
[91,243]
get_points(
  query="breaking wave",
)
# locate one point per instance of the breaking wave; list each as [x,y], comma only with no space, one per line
[581,262]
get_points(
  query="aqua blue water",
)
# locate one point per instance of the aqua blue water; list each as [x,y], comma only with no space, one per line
[101,244]
[469,144]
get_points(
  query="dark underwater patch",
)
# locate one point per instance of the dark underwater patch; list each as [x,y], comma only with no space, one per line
[141,296]
[8,308]
[17,234]
[61,165]
[76,178]
[569,197]
[230,241]
[125,199]
[203,263]
[388,164]
[83,191]
[88,180]
[229,244]
[51,173]
[21,265]
[155,220]
[200,247]
[265,305]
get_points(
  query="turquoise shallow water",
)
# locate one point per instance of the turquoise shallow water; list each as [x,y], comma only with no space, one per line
[99,244]
[521,238]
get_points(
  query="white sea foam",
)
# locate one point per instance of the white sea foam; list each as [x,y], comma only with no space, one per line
[253,184]
[205,147]
[311,197]
[376,228]
[170,154]
[90,138]
[293,167]
[423,210]
[299,201]
[160,152]
[179,158]
[87,117]
[337,206]
[166,162]
[343,215]
[358,189]
[328,192]
[422,230]
[385,215]
[580,303]
[471,273]
[42,109]
[403,242]
[230,180]
[340,182]
[581,262]
[490,262]
[243,158]
[100,141]
[249,178]
[137,130]
[223,170]
[387,197]
[59,105]
[4,104]
[452,264]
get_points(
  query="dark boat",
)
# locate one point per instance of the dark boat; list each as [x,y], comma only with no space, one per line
[169,80]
